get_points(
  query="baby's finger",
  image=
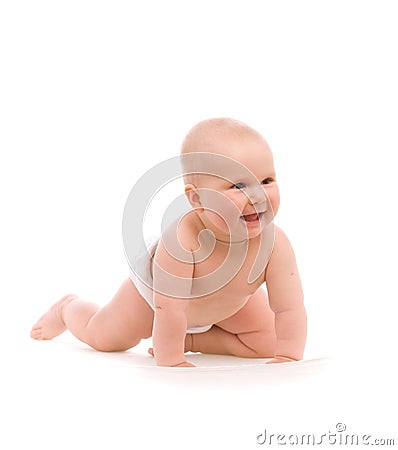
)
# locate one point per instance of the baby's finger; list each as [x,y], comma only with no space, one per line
[150,351]
[278,360]
[185,364]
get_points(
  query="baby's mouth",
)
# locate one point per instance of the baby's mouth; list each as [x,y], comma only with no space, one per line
[256,217]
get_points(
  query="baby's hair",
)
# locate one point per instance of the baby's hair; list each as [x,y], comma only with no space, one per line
[204,136]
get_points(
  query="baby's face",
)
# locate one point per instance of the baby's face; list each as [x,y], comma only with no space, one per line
[243,202]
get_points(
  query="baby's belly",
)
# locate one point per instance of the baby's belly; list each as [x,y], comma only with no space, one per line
[208,311]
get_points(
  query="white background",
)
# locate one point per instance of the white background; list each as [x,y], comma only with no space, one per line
[93,94]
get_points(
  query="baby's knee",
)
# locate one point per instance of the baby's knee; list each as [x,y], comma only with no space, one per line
[262,343]
[105,344]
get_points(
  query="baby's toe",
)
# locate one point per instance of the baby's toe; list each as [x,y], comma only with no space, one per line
[36,333]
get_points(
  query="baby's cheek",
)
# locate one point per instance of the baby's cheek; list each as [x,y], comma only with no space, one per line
[219,220]
[229,213]
[274,199]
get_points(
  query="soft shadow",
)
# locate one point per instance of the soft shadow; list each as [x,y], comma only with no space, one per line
[218,371]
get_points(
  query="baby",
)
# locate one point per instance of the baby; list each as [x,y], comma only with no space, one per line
[208,267]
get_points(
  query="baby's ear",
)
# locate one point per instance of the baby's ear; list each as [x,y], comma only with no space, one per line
[192,195]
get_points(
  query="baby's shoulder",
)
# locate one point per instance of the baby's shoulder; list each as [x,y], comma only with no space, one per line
[280,237]
[282,247]
[188,231]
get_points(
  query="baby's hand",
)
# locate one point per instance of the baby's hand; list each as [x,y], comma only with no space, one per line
[183,364]
[280,359]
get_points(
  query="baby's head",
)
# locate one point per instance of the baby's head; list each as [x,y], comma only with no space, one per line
[224,159]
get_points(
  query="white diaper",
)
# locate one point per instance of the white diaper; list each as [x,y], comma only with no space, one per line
[144,282]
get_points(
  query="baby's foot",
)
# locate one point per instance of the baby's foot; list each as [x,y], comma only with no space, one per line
[51,323]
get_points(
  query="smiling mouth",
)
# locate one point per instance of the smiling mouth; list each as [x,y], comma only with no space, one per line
[252,218]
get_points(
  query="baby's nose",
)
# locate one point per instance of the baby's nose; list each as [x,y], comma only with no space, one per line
[256,195]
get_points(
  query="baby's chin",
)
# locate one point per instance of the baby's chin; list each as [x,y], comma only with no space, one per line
[245,234]
[241,229]
[252,234]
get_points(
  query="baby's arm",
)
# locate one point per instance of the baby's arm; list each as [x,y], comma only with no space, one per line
[170,324]
[286,300]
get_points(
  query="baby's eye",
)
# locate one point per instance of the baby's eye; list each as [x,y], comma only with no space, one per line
[267,181]
[239,185]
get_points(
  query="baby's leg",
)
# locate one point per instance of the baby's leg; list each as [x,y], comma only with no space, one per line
[249,333]
[118,326]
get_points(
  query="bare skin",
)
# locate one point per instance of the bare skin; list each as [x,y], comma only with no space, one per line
[51,324]
[248,321]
